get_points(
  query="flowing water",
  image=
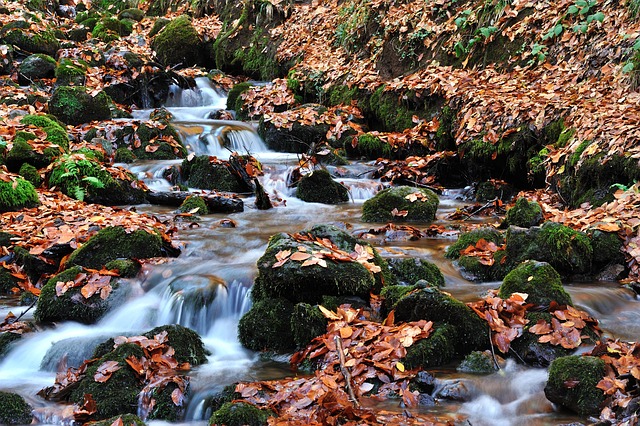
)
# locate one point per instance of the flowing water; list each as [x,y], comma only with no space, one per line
[207,287]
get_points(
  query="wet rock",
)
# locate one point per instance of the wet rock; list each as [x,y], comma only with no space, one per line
[492,189]
[195,205]
[438,349]
[23,152]
[530,350]
[310,283]
[391,204]
[433,305]
[412,270]
[69,73]
[240,414]
[478,363]
[307,322]
[17,194]
[35,67]
[204,172]
[524,214]
[267,326]
[73,105]
[14,410]
[234,98]
[537,279]
[178,44]
[607,249]
[39,42]
[471,238]
[299,138]
[319,187]
[113,243]
[71,305]
[572,383]
[456,390]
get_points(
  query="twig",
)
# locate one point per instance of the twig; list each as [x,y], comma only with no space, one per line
[493,352]
[345,371]
[25,311]
[486,206]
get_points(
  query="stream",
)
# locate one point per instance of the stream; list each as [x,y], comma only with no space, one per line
[218,264]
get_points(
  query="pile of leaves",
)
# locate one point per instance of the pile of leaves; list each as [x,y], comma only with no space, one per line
[372,352]
[12,324]
[419,170]
[484,251]
[507,319]
[155,370]
[339,118]
[621,381]
[90,282]
[399,232]
[327,250]
[267,99]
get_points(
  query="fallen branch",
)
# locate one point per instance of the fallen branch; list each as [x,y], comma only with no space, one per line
[345,371]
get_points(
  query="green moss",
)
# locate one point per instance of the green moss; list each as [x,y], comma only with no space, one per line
[14,410]
[307,322]
[178,43]
[524,214]
[132,13]
[391,294]
[71,306]
[41,42]
[433,305]
[158,25]
[113,243]
[341,94]
[372,147]
[478,363]
[319,187]
[200,172]
[110,29]
[36,66]
[537,279]
[390,112]
[74,105]
[187,343]
[583,373]
[267,326]
[474,270]
[240,414]
[30,174]
[127,420]
[57,136]
[564,137]
[42,121]
[436,350]
[445,140]
[17,195]
[471,238]
[127,268]
[69,73]
[607,248]
[124,155]
[412,270]
[380,207]
[6,340]
[255,60]
[194,202]
[530,350]
[7,281]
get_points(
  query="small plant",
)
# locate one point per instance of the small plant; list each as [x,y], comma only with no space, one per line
[462,20]
[632,67]
[583,9]
[538,54]
[75,174]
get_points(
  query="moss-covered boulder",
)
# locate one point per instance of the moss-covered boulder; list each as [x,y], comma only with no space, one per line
[471,238]
[309,283]
[73,105]
[307,322]
[17,194]
[524,214]
[40,42]
[194,204]
[7,281]
[71,305]
[240,414]
[474,268]
[24,151]
[110,28]
[70,73]
[30,173]
[433,305]
[298,137]
[132,13]
[532,352]
[537,279]
[607,248]
[494,189]
[234,100]
[572,383]
[478,362]
[178,44]
[412,270]
[438,349]
[401,204]
[204,172]
[146,140]
[567,250]
[392,294]
[267,326]
[14,410]
[319,187]
[113,243]
[35,67]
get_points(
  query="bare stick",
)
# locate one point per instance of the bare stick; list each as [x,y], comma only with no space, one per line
[345,371]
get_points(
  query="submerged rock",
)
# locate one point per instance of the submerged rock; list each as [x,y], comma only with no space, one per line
[572,383]
[401,204]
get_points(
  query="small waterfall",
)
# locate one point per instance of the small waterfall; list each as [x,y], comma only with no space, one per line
[219,137]
[195,103]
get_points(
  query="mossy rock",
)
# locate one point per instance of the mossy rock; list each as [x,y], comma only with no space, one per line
[412,270]
[393,115]
[113,243]
[43,121]
[194,202]
[240,414]
[607,248]
[124,155]
[110,29]
[478,362]
[372,147]
[72,305]
[491,190]
[42,42]
[149,136]
[436,350]
[524,214]
[7,281]
[132,13]
[35,67]
[6,341]
[319,187]
[33,266]
[158,25]
[30,173]
[69,74]
[178,44]
[572,383]
[16,195]
[199,172]
[567,250]
[433,305]
[473,269]
[299,138]
[307,322]
[127,268]
[187,343]
[380,207]
[310,283]
[530,350]
[267,326]
[73,105]
[537,279]
[14,410]
[234,101]
[391,294]
[126,419]
[471,238]
[22,152]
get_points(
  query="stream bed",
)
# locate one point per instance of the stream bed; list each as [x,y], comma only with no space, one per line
[221,261]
